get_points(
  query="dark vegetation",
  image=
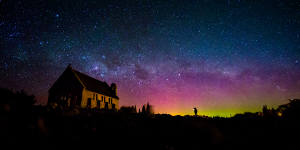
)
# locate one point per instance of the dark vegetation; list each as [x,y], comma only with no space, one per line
[24,125]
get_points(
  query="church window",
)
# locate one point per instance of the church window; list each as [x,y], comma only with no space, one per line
[98,104]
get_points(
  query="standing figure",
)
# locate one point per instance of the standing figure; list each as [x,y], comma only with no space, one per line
[195,111]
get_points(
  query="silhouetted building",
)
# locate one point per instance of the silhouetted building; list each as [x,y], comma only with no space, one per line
[74,88]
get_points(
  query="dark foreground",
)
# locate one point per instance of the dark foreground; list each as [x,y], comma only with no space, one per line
[52,130]
[24,126]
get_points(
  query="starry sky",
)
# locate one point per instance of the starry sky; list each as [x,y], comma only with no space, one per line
[221,56]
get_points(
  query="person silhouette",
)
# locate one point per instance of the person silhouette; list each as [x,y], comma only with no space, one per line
[195,111]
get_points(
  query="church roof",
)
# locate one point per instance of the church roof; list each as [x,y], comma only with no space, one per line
[94,85]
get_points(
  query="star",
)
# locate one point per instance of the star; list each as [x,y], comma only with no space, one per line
[156,52]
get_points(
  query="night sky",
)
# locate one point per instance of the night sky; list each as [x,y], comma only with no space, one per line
[223,57]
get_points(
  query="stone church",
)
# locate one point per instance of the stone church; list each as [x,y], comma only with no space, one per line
[75,89]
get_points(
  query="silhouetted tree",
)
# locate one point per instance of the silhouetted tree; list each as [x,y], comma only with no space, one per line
[16,101]
[265,109]
[143,109]
[269,113]
[149,109]
[128,109]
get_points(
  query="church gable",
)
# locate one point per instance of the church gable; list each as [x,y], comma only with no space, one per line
[66,81]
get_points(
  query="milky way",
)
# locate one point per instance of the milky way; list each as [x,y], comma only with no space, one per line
[223,57]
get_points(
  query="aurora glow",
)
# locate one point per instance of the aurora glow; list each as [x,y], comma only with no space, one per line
[224,57]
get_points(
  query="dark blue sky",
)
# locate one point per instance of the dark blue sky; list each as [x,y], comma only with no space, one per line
[223,56]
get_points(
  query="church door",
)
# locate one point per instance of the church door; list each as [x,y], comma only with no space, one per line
[89,103]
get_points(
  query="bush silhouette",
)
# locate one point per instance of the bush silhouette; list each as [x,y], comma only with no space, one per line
[18,101]
[290,110]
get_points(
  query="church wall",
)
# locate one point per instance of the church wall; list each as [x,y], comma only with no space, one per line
[116,102]
[86,94]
